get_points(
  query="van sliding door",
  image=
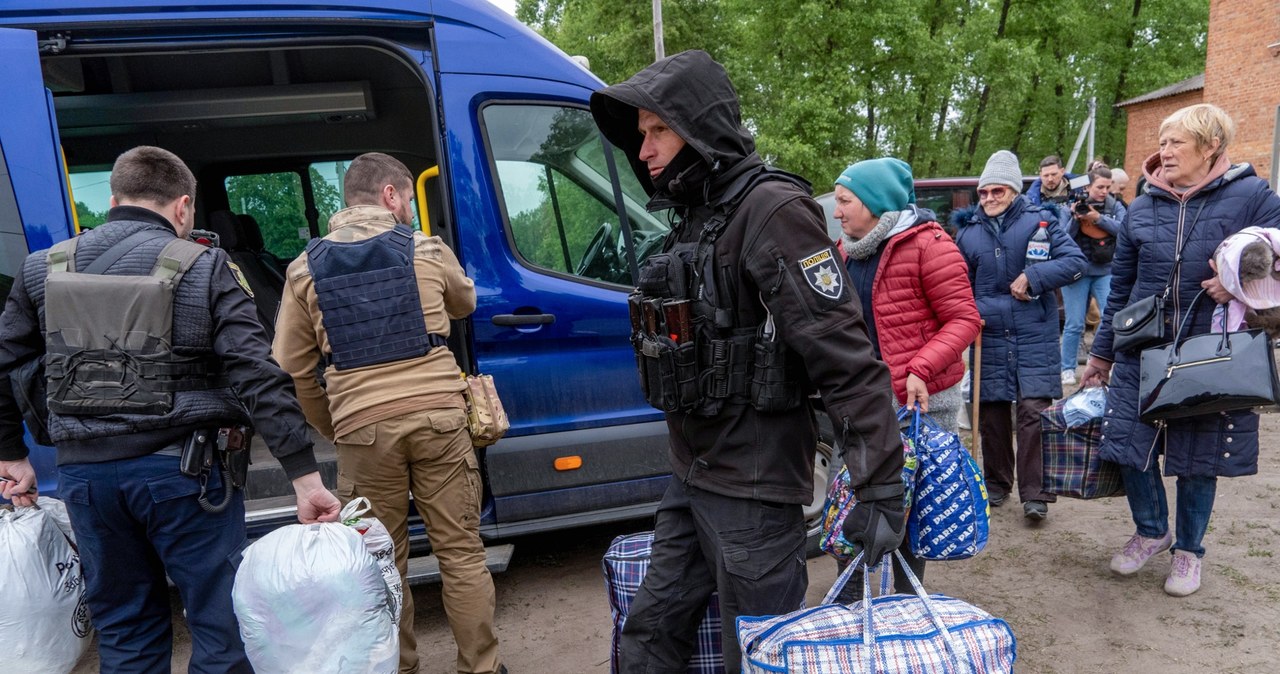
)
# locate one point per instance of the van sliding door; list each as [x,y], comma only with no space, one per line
[32,164]
[34,210]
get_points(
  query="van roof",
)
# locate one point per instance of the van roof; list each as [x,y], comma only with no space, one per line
[472,37]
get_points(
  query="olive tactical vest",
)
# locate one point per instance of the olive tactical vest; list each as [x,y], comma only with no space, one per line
[109,337]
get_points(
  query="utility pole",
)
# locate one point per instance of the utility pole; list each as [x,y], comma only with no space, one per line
[1086,131]
[659,52]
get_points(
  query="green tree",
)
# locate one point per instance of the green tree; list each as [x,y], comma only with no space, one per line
[87,217]
[941,83]
[275,200]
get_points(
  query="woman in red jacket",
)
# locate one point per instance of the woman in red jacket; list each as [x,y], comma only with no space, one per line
[914,288]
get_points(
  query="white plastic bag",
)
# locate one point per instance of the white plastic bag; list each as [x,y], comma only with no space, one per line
[312,598]
[44,620]
[1085,406]
[377,540]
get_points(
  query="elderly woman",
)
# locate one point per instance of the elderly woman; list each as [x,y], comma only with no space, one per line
[914,288]
[1020,351]
[1194,199]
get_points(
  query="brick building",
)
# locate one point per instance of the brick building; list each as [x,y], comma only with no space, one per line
[1241,75]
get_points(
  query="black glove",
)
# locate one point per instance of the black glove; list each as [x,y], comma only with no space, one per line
[876,527]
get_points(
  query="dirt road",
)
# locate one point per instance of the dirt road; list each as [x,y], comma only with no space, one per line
[1050,582]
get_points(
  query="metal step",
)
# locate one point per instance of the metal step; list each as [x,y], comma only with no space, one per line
[425,570]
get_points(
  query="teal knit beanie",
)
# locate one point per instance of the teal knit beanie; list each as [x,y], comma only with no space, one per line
[883,184]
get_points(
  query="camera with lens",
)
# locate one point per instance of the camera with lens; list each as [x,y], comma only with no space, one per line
[1083,207]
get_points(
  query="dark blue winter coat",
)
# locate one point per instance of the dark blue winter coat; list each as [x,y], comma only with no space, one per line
[1223,445]
[1020,352]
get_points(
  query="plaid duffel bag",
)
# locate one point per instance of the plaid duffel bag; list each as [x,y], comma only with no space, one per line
[625,564]
[893,634]
[1072,467]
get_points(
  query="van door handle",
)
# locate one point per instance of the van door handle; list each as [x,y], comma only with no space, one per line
[523,319]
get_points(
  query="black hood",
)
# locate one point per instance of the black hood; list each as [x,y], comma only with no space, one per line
[692,94]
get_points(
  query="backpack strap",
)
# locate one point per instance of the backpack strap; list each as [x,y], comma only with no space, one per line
[62,256]
[176,258]
[114,253]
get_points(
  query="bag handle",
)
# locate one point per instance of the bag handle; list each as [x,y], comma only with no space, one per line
[868,632]
[354,509]
[1224,344]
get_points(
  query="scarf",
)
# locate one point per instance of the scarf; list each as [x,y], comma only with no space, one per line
[891,223]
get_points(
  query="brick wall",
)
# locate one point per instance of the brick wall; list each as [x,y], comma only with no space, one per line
[1144,132]
[1242,76]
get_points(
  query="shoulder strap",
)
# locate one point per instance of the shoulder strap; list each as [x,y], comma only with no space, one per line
[62,256]
[176,258]
[1180,245]
[117,251]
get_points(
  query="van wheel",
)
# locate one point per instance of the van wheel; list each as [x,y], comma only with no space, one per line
[826,464]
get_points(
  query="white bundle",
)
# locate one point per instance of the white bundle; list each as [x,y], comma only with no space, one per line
[311,598]
[44,621]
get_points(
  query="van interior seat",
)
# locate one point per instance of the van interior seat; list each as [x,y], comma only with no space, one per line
[267,282]
[250,236]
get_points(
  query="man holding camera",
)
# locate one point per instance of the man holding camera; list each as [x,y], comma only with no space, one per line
[1093,220]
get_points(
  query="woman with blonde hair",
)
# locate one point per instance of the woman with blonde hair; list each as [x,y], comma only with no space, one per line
[1195,197]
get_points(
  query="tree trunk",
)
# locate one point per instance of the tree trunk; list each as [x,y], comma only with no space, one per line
[986,95]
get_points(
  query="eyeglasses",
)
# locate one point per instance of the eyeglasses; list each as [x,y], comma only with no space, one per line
[994,193]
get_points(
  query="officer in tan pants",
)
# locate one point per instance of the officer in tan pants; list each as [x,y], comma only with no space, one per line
[371,303]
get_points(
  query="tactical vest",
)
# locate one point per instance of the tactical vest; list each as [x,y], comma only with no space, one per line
[694,350]
[109,338]
[369,302]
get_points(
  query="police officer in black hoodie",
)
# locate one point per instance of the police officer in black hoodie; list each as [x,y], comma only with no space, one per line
[772,319]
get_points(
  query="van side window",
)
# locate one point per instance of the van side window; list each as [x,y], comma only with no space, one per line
[275,202]
[91,191]
[559,202]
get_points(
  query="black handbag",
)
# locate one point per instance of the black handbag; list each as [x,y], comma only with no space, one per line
[1206,374]
[1140,324]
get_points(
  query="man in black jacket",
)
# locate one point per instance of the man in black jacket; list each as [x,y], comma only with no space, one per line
[136,516]
[772,318]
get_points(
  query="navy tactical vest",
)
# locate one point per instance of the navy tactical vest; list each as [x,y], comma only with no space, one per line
[369,303]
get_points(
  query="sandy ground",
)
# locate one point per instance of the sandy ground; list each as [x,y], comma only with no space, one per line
[1051,582]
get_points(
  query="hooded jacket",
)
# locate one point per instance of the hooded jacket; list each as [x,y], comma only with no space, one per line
[1230,199]
[925,315]
[1020,351]
[774,257]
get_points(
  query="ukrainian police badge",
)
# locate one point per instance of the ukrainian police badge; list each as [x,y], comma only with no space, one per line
[823,276]
[240,279]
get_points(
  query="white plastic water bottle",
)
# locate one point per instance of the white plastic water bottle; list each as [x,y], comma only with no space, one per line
[1038,247]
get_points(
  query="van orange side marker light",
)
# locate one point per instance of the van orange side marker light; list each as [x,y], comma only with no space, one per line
[568,462]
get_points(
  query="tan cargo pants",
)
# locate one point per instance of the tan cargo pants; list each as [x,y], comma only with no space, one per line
[429,454]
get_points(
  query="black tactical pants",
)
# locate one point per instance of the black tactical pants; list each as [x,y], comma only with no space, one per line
[750,551]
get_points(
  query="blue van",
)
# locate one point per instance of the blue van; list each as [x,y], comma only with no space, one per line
[266,102]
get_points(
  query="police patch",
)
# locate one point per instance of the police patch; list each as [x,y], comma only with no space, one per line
[240,279]
[822,274]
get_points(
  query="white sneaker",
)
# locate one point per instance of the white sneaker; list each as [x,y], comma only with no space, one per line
[1184,574]
[1137,550]
[1068,377]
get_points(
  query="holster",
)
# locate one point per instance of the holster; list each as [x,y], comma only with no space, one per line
[233,451]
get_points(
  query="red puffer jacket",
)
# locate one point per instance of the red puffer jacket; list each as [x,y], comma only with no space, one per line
[924,309]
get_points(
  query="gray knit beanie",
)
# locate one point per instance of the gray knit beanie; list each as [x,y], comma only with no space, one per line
[1002,169]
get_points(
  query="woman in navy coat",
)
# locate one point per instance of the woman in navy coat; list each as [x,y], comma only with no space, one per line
[1020,350]
[1194,198]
